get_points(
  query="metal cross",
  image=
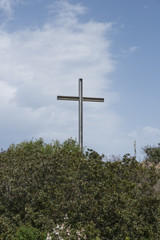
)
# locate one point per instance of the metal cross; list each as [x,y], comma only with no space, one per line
[80,99]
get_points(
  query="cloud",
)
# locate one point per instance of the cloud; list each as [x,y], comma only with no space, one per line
[127,51]
[7,6]
[133,49]
[65,10]
[39,64]
[151,133]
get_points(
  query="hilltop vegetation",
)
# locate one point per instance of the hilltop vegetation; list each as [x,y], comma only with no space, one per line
[40,183]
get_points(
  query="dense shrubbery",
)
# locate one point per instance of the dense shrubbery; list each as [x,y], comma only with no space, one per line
[152,154]
[41,183]
[28,233]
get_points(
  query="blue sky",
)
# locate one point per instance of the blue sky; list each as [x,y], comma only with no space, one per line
[47,45]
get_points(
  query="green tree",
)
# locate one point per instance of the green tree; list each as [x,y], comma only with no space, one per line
[28,233]
[152,154]
[41,183]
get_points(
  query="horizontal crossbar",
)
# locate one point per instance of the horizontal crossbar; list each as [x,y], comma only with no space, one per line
[86,99]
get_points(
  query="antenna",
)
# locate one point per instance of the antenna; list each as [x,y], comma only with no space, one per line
[135,149]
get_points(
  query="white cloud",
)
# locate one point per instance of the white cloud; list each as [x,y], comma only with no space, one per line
[66,11]
[130,50]
[151,133]
[37,65]
[7,94]
[7,6]
[133,49]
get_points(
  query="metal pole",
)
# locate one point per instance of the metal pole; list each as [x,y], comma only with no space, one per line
[81,112]
[135,150]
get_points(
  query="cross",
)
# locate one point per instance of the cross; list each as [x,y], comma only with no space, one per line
[80,99]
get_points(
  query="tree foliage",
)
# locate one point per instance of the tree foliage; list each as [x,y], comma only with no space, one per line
[152,153]
[41,183]
[28,233]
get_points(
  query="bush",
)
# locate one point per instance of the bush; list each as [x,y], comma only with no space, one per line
[40,183]
[28,233]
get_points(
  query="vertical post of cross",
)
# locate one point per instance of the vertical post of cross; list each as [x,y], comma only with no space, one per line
[80,100]
[81,112]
